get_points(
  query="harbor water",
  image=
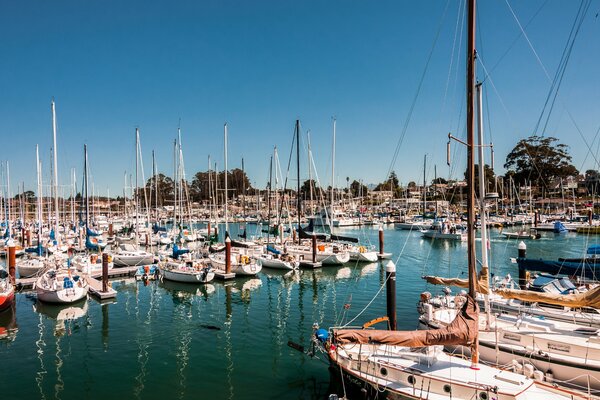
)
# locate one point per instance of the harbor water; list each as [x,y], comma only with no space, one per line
[163,340]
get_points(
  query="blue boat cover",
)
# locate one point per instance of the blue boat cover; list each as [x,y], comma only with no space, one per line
[52,235]
[177,251]
[580,268]
[273,250]
[594,249]
[156,228]
[559,227]
[90,232]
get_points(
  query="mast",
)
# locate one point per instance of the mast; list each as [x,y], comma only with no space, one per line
[424,185]
[55,162]
[269,201]
[226,197]
[298,199]
[483,218]
[243,190]
[471,54]
[87,200]
[332,176]
[137,225]
[39,194]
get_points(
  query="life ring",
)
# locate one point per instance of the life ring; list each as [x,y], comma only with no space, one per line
[362,249]
[245,260]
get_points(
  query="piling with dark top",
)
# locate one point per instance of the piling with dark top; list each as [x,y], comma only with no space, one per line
[110,229]
[522,272]
[314,247]
[216,231]
[228,255]
[208,230]
[12,261]
[380,240]
[535,219]
[390,272]
[105,272]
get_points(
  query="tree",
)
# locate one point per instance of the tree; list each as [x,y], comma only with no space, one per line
[358,189]
[592,181]
[540,160]
[489,176]
[390,184]
[163,185]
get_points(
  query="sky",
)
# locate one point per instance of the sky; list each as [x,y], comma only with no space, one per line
[112,66]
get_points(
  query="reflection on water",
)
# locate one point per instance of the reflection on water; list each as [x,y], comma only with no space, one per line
[225,339]
[8,324]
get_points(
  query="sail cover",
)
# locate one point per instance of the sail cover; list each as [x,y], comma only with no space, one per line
[482,281]
[462,331]
[591,298]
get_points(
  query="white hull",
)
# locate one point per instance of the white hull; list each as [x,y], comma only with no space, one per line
[435,234]
[367,256]
[245,269]
[275,263]
[51,290]
[190,276]
[120,260]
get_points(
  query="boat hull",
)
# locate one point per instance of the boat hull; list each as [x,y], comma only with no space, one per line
[187,276]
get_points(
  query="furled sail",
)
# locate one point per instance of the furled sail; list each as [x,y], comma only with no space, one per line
[591,298]
[482,281]
[462,331]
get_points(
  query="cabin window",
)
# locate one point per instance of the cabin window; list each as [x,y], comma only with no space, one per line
[383,371]
[447,389]
[411,379]
[483,396]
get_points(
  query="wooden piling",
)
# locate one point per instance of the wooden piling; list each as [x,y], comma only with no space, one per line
[390,272]
[381,240]
[105,272]
[522,272]
[12,261]
[227,255]
[110,229]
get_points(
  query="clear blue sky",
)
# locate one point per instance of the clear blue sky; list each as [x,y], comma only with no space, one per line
[259,65]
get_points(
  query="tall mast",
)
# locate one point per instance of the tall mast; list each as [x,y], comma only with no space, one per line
[424,185]
[269,200]
[243,190]
[137,143]
[87,199]
[470,144]
[39,194]
[332,176]
[226,187]
[55,162]
[483,219]
[298,199]
[471,54]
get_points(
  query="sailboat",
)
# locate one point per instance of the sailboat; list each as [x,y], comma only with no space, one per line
[243,262]
[411,364]
[128,254]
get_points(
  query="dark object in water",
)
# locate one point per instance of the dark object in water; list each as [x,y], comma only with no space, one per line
[296,346]
[211,327]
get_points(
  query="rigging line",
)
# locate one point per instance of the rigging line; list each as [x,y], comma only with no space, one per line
[516,39]
[562,66]
[414,101]
[590,150]
[456,30]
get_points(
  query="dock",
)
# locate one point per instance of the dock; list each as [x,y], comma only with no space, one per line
[310,265]
[222,275]
[27,283]
[95,289]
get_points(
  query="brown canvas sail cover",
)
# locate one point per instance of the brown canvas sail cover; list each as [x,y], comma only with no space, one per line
[482,281]
[462,331]
[591,298]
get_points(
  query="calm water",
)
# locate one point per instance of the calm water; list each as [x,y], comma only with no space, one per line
[224,341]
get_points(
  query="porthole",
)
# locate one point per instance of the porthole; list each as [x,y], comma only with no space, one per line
[411,379]
[383,371]
[483,396]
[447,389]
